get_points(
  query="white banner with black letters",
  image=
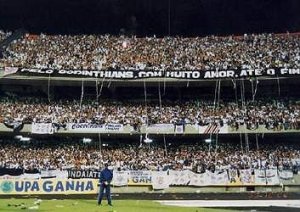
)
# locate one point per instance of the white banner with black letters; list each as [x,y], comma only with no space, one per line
[182,74]
[95,128]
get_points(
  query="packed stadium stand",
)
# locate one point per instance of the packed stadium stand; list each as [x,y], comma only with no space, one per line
[168,114]
[94,52]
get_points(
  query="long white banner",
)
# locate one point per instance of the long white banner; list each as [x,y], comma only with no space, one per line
[163,179]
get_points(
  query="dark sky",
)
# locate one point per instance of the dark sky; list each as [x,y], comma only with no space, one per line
[148,17]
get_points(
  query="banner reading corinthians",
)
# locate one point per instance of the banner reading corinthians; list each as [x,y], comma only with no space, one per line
[140,74]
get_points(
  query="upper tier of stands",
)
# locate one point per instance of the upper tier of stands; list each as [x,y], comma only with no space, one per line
[168,53]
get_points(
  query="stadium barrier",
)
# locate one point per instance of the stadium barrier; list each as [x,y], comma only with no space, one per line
[111,128]
[155,179]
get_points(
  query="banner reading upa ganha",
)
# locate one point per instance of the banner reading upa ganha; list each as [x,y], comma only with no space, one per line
[140,74]
[49,186]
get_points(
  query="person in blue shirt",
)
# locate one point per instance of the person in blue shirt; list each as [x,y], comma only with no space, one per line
[106,177]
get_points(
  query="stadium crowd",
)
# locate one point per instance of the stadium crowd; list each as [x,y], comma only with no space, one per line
[103,52]
[197,157]
[275,115]
[4,35]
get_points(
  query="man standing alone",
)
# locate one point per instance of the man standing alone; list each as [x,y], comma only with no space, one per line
[106,176]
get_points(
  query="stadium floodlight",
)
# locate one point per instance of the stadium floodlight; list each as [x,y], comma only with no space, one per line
[19,137]
[86,140]
[25,139]
[208,140]
[104,144]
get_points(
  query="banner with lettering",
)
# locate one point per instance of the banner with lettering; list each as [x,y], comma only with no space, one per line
[79,174]
[49,186]
[140,74]
[140,178]
[95,128]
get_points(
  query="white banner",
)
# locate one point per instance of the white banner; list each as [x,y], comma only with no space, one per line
[140,178]
[157,128]
[233,175]
[10,70]
[272,177]
[286,174]
[160,180]
[54,174]
[26,176]
[120,178]
[180,177]
[110,127]
[218,178]
[245,176]
[95,128]
[42,128]
[199,179]
[260,176]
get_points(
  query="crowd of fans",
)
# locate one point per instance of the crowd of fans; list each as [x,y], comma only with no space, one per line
[197,157]
[4,35]
[275,115]
[103,52]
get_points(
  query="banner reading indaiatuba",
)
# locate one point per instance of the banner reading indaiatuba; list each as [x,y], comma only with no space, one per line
[79,174]
[182,74]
